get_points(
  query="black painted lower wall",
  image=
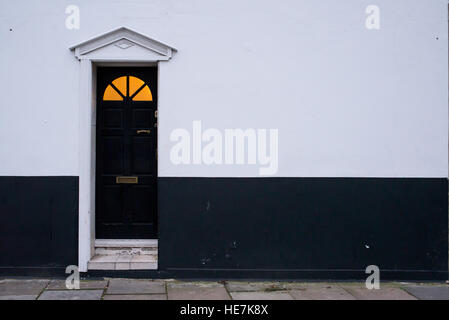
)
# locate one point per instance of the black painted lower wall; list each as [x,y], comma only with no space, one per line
[303,227]
[38,225]
[279,228]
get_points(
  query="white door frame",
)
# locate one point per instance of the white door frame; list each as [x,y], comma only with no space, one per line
[120,47]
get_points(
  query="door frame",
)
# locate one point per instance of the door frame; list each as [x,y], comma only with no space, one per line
[87,153]
[119,47]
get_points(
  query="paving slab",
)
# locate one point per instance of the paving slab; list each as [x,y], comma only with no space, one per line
[429,292]
[322,292]
[135,297]
[261,295]
[19,297]
[84,284]
[383,293]
[22,287]
[128,286]
[241,286]
[196,291]
[304,285]
[295,285]
[71,295]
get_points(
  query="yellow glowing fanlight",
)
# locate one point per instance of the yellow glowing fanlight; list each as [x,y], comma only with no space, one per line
[118,90]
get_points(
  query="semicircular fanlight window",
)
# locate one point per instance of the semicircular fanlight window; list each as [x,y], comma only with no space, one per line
[118,90]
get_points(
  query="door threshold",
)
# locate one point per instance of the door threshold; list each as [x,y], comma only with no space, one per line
[126,243]
[125,254]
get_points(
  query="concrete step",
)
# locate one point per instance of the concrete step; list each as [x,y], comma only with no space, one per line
[123,247]
[123,262]
[130,251]
[134,243]
[118,254]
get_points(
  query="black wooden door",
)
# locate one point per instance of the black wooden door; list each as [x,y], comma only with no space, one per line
[126,144]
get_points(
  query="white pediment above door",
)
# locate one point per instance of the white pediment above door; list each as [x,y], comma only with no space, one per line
[123,44]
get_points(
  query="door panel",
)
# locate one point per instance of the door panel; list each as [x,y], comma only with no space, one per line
[142,151]
[113,118]
[112,155]
[126,147]
[141,203]
[142,118]
[112,203]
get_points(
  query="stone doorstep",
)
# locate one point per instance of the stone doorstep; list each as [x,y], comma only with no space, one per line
[126,246]
[125,250]
[123,262]
[126,243]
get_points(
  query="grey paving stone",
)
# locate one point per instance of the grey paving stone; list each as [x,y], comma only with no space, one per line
[295,285]
[71,295]
[127,286]
[384,293]
[196,291]
[84,284]
[322,292]
[429,292]
[135,297]
[236,286]
[22,287]
[261,295]
[305,285]
[19,297]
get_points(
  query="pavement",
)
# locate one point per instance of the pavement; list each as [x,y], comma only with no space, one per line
[146,289]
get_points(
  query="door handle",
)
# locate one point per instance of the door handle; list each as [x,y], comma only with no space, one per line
[143,131]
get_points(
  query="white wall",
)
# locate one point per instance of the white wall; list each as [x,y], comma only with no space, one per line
[347,101]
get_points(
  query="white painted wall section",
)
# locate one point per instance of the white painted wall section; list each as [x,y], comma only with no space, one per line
[347,101]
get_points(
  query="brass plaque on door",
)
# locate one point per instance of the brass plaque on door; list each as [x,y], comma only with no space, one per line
[126,179]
